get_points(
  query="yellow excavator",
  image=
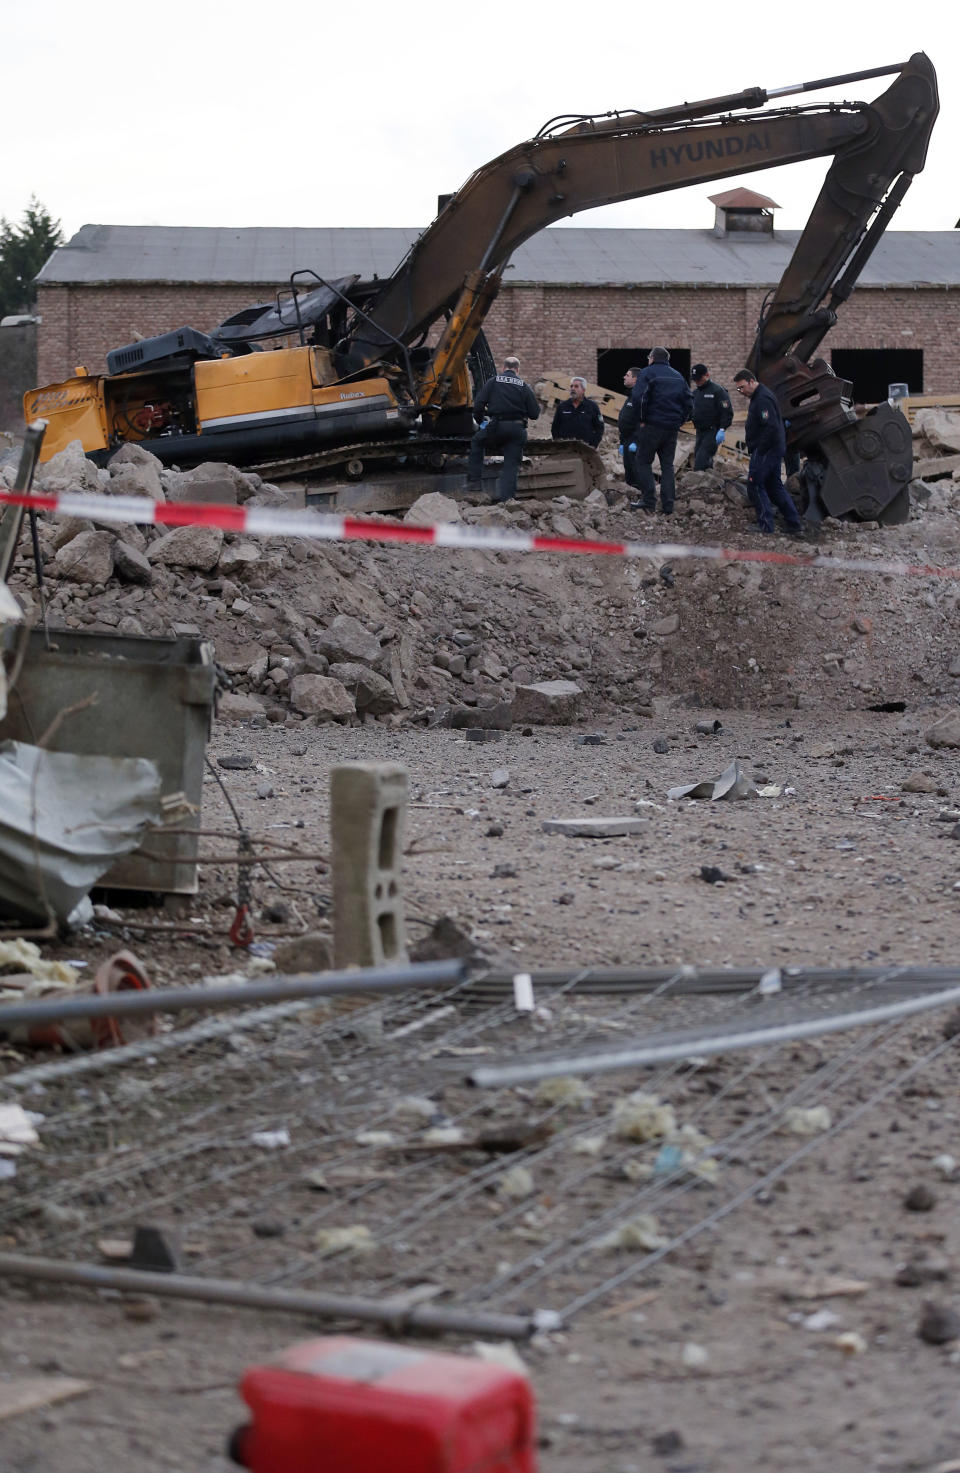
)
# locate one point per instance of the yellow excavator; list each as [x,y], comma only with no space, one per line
[380,373]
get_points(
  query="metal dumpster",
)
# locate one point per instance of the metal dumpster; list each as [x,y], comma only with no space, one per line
[154,698]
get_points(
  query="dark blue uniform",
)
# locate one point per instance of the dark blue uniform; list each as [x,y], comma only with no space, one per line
[712,411]
[505,403]
[626,425]
[660,403]
[581,421]
[767,442]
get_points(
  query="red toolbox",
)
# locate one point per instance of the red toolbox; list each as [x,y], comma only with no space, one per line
[344,1405]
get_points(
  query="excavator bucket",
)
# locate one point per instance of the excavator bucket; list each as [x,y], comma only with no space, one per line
[868,466]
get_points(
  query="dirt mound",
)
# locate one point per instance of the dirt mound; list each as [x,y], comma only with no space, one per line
[450,627]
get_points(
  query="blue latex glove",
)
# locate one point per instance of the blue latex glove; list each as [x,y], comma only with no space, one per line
[632,446]
[721,436]
[484,423]
[620,451]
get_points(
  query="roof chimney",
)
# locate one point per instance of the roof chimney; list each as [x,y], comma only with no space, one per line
[743,215]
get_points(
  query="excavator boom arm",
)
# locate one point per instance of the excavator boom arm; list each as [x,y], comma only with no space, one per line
[543,180]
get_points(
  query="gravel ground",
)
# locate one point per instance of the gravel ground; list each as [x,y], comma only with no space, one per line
[853,863]
[827,874]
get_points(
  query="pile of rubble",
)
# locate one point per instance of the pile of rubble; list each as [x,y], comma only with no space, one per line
[936,451]
[314,631]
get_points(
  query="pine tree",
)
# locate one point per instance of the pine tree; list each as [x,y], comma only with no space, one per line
[24,248]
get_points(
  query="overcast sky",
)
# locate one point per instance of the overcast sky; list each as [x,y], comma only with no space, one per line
[294,113]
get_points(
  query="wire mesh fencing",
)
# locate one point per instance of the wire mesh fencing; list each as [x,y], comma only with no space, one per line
[341,1146]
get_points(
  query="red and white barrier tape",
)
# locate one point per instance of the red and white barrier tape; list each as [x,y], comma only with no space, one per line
[260,521]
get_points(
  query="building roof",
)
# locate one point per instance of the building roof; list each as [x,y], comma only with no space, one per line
[742,199]
[100,254]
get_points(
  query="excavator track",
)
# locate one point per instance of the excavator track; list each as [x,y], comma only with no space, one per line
[353,461]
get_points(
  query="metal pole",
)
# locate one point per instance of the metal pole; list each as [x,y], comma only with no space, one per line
[64,1008]
[838,81]
[394,1313]
[691,1045]
[12,519]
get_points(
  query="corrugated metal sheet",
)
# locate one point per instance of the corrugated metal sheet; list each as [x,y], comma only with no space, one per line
[591,257]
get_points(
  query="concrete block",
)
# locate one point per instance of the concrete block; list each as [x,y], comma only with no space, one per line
[595,828]
[548,702]
[484,734]
[368,808]
[156,1249]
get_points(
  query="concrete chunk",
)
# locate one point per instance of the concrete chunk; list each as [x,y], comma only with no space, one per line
[595,828]
[549,702]
[320,695]
[188,547]
[943,733]
[88,558]
[347,640]
[431,508]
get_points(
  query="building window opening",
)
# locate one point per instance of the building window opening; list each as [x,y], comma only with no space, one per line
[873,370]
[612,363]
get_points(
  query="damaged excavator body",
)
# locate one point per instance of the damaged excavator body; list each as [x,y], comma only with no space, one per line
[374,371]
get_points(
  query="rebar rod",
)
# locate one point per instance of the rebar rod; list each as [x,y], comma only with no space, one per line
[425,1317]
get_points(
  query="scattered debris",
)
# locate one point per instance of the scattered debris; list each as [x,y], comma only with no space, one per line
[516,1183]
[920,1199]
[29,1393]
[643,1117]
[565,1090]
[588,1145]
[156,1250]
[271,1140]
[414,1107]
[64,820]
[851,1342]
[355,1239]
[594,828]
[939,1324]
[925,1267]
[693,1356]
[25,957]
[503,1353]
[641,1234]
[444,1135]
[732,784]
[807,1122]
[821,1319]
[376,1138]
[17,1129]
[816,1286]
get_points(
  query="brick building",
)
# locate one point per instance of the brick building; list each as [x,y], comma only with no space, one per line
[588,301]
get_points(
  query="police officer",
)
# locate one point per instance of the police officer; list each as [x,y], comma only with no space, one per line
[659,404]
[502,409]
[578,418]
[625,424]
[766,441]
[712,416]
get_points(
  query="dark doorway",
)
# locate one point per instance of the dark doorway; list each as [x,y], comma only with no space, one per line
[612,364]
[873,370]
